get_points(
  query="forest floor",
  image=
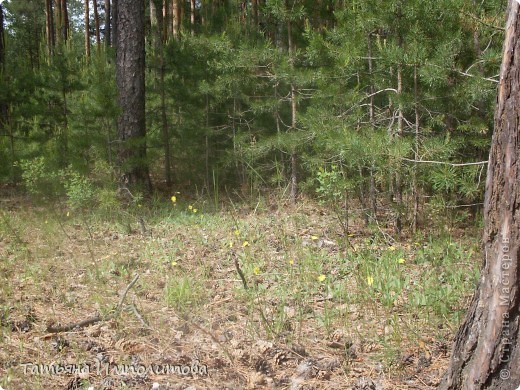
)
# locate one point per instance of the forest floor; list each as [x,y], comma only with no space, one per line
[313,309]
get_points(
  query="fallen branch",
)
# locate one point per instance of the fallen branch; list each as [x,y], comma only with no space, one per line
[138,315]
[97,318]
[240,273]
[118,309]
[69,327]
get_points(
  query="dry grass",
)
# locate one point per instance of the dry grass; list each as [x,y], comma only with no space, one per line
[309,318]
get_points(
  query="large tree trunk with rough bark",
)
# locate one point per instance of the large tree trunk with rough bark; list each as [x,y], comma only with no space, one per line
[486,352]
[130,63]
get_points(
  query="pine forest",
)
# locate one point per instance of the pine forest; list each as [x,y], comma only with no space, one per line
[263,194]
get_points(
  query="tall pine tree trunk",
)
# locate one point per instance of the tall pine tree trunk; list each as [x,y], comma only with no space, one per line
[192,16]
[157,23]
[398,190]
[49,27]
[372,185]
[96,24]
[176,18]
[415,187]
[486,352]
[294,119]
[108,24]
[130,66]
[65,26]
[87,30]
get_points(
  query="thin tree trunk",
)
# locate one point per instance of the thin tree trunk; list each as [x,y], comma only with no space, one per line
[207,145]
[166,26]
[49,27]
[486,353]
[398,190]
[192,16]
[2,39]
[415,194]
[65,21]
[64,132]
[254,11]
[58,20]
[96,24]
[87,30]
[108,24]
[372,184]
[294,119]
[176,18]
[157,23]
[4,106]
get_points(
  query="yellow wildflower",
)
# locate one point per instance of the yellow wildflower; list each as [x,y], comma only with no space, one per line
[370,280]
[246,243]
[314,238]
[321,278]
[291,262]
[256,270]
[174,199]
[190,207]
[237,232]
[195,210]
[401,261]
[173,263]
[391,248]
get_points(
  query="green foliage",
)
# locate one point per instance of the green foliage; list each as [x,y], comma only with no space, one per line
[184,293]
[222,99]
[80,191]
[39,179]
[331,185]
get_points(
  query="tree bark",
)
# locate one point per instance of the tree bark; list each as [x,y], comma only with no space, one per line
[254,11]
[87,30]
[96,24]
[415,189]
[294,119]
[115,6]
[157,23]
[165,20]
[3,105]
[398,190]
[192,16]
[49,27]
[130,67]
[372,185]
[176,18]
[486,352]
[108,29]
[65,26]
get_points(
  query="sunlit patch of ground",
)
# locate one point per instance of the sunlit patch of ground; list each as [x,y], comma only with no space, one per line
[313,309]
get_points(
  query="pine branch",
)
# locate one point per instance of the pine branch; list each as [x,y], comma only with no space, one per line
[444,163]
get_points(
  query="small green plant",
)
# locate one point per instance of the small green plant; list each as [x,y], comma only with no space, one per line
[80,191]
[184,293]
[333,189]
[386,276]
[39,179]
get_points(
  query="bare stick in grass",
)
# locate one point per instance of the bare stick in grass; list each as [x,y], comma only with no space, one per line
[96,318]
